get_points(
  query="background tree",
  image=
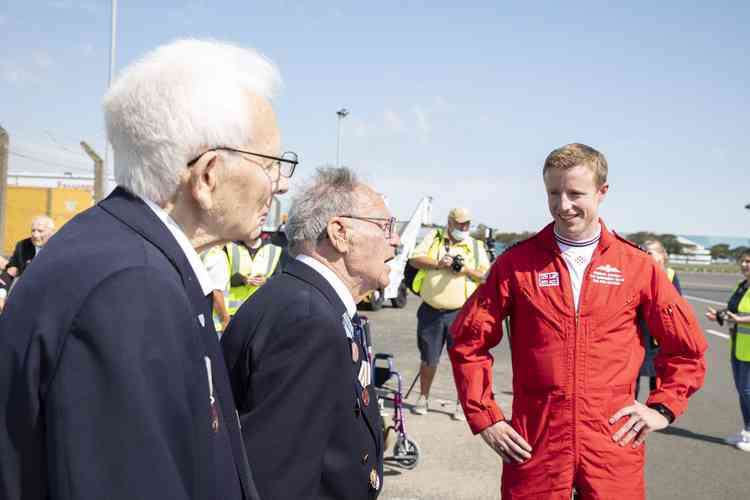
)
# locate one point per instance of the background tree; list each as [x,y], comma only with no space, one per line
[720,251]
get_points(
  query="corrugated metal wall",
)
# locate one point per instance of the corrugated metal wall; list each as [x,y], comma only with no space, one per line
[24,203]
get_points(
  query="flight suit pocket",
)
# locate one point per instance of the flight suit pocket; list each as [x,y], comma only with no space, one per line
[530,420]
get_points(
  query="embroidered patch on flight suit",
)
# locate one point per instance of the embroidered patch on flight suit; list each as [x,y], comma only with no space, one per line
[607,275]
[549,279]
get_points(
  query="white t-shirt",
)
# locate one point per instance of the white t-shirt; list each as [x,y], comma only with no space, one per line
[577,256]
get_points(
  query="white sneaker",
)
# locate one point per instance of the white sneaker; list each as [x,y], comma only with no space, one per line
[743,445]
[422,406]
[734,439]
[458,413]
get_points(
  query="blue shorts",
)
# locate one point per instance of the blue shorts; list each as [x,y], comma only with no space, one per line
[433,332]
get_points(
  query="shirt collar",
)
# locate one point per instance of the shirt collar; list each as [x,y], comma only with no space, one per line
[192,256]
[341,290]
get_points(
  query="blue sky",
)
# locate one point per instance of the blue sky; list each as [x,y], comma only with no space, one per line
[458,100]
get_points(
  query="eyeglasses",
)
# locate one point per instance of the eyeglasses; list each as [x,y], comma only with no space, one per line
[387,227]
[286,163]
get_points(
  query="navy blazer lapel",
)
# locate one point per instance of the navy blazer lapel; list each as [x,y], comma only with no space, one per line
[309,275]
[134,213]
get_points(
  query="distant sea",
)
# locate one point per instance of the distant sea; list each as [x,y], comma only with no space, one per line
[709,241]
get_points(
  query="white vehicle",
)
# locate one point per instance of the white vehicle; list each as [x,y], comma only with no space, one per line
[396,291]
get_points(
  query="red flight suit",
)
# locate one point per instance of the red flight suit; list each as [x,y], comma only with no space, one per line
[572,370]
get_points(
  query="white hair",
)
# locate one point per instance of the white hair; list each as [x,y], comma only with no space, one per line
[45,219]
[168,107]
[330,193]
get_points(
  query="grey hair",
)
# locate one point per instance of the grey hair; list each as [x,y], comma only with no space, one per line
[331,192]
[175,102]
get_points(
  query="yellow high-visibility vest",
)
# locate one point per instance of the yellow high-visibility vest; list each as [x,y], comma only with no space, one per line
[741,347]
[264,264]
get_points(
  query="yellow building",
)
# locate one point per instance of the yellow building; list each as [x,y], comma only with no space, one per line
[23,203]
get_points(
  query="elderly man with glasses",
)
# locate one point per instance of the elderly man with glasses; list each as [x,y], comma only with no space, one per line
[112,381]
[297,353]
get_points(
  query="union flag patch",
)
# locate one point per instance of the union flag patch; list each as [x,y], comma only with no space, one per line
[549,279]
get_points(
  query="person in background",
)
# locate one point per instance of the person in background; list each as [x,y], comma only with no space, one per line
[451,264]
[216,261]
[251,262]
[42,228]
[737,314]
[657,252]
[112,380]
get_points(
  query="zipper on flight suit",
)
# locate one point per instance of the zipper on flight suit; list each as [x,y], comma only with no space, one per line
[575,349]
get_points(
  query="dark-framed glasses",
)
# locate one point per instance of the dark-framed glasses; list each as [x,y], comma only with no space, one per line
[286,163]
[386,224]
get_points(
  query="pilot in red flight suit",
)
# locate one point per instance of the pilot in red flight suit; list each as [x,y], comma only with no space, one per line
[573,293]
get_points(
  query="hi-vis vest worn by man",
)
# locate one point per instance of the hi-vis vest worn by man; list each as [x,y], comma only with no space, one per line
[263,264]
[443,288]
[741,338]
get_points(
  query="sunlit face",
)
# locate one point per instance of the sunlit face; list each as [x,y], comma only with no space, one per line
[248,183]
[657,253]
[370,251]
[573,198]
[41,230]
[745,266]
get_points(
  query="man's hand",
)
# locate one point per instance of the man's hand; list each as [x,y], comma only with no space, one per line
[506,442]
[255,280]
[711,313]
[445,262]
[643,421]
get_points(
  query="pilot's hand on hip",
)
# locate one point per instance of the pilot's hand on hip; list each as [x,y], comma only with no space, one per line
[641,421]
[506,442]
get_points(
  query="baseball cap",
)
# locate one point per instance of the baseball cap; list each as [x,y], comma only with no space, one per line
[459,215]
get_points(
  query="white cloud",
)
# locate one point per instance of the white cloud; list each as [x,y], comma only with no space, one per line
[415,123]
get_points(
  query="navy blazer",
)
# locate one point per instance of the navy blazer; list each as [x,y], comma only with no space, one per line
[23,254]
[104,370]
[307,429]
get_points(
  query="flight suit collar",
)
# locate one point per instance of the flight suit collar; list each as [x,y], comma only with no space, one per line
[546,238]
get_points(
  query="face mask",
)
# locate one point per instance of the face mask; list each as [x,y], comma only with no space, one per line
[459,235]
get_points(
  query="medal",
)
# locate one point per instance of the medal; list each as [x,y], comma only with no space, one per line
[355,352]
[346,322]
[374,480]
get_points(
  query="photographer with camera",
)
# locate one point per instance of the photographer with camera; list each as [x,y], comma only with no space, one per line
[737,315]
[451,264]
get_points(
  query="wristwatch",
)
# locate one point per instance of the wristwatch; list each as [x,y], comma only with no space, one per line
[663,410]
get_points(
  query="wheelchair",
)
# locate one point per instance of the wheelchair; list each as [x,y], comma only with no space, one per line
[405,452]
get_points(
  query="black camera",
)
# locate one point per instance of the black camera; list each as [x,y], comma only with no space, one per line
[721,317]
[458,263]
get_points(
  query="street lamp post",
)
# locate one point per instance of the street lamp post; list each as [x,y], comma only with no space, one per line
[342,113]
[108,168]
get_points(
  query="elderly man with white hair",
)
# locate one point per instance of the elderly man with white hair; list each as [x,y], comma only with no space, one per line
[112,382]
[42,227]
[298,355]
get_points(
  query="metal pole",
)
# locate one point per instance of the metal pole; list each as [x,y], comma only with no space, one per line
[98,172]
[342,113]
[108,170]
[4,141]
